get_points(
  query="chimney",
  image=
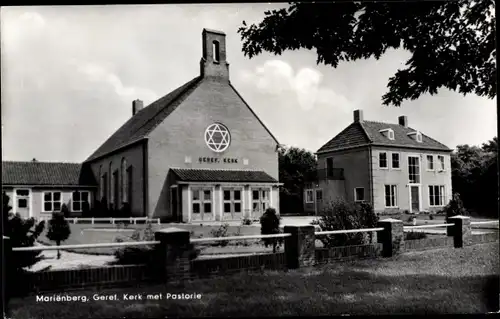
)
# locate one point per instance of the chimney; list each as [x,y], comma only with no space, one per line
[403,121]
[358,116]
[137,105]
[34,160]
[213,62]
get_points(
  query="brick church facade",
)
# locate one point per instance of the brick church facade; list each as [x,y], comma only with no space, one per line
[197,154]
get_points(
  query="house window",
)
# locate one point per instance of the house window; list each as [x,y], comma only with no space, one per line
[232,202]
[22,198]
[215,48]
[413,169]
[382,160]
[441,162]
[329,167]
[114,190]
[52,202]
[309,196]
[124,183]
[359,194]
[436,195]
[201,201]
[101,184]
[395,160]
[390,196]
[430,162]
[78,200]
[260,200]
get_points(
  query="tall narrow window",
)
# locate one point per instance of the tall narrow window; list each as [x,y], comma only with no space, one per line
[390,196]
[395,160]
[104,179]
[101,184]
[124,181]
[413,169]
[129,186]
[309,196]
[430,162]
[382,160]
[110,176]
[441,162]
[215,47]
[329,167]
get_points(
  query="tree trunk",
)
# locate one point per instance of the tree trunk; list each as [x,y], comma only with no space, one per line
[58,242]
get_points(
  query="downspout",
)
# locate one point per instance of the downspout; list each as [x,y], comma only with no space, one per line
[370,175]
[145,178]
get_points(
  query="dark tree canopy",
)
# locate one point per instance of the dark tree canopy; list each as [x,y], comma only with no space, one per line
[452,42]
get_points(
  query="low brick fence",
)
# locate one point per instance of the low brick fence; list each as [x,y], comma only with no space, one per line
[172,249]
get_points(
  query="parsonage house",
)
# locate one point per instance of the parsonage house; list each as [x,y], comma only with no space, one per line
[392,166]
[199,153]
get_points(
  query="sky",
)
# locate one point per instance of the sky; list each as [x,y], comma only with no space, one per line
[70,73]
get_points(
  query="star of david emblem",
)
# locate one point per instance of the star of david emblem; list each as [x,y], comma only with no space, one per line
[217,137]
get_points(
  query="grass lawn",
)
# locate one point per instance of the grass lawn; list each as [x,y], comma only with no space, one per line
[430,282]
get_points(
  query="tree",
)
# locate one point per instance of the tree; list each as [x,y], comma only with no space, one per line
[475,177]
[296,167]
[59,230]
[269,225]
[22,233]
[452,43]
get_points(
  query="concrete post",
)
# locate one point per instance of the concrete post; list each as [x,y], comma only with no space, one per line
[300,248]
[392,237]
[173,253]
[461,231]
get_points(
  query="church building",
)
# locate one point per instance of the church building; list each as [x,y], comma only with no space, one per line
[198,153]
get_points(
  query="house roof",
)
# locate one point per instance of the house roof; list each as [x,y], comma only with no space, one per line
[45,173]
[220,175]
[365,133]
[144,121]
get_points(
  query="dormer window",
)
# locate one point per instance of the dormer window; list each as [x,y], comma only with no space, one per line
[417,136]
[389,133]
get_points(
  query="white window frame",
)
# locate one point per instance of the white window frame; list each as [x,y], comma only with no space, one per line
[232,201]
[427,162]
[441,196]
[308,191]
[386,160]
[441,164]
[419,137]
[80,201]
[202,201]
[393,193]
[390,133]
[267,201]
[399,161]
[52,201]
[356,197]
[419,172]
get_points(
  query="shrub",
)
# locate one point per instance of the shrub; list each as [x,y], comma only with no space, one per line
[270,224]
[65,211]
[59,229]
[220,232]
[246,221]
[341,215]
[431,217]
[143,254]
[412,235]
[455,207]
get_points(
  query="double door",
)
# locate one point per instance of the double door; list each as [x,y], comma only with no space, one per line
[260,201]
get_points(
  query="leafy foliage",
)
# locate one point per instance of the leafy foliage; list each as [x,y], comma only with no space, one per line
[412,235]
[452,43]
[222,231]
[22,233]
[455,207]
[143,254]
[269,225]
[59,229]
[342,215]
[475,177]
[65,210]
[296,167]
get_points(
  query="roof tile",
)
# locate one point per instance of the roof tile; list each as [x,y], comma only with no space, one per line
[219,175]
